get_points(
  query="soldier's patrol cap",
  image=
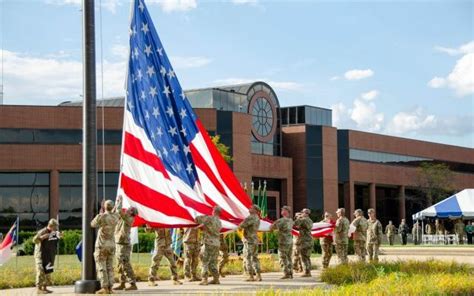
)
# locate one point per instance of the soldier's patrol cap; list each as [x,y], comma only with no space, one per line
[306,211]
[370,210]
[217,209]
[53,222]
[287,208]
[109,205]
[358,211]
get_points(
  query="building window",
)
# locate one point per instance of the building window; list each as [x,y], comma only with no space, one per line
[54,136]
[70,195]
[24,195]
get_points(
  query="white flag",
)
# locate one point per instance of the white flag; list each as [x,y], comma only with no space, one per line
[134,236]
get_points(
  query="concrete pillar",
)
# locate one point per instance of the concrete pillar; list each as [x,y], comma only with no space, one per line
[349,200]
[372,197]
[53,193]
[401,202]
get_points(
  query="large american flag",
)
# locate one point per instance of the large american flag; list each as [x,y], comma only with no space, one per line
[170,170]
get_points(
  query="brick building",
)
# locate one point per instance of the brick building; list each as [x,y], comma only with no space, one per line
[305,160]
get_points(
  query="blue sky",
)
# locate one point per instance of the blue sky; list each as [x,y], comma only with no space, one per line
[400,68]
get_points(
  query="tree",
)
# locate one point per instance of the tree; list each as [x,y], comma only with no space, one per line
[435,180]
[223,149]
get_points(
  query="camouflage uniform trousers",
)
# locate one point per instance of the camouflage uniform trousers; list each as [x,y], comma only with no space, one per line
[252,264]
[42,279]
[373,251]
[305,253]
[191,259]
[122,254]
[391,239]
[341,251]
[284,253]
[224,250]
[296,259]
[327,254]
[104,260]
[155,263]
[360,249]
[209,256]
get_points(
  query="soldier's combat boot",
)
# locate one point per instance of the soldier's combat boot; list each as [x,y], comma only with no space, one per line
[40,291]
[215,281]
[132,287]
[177,282]
[204,282]
[152,283]
[306,274]
[119,287]
[259,277]
[250,279]
[194,278]
[103,291]
[221,272]
[46,290]
[286,276]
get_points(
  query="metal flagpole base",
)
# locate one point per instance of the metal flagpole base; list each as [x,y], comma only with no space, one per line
[86,286]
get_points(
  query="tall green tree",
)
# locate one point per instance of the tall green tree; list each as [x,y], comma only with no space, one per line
[435,180]
[223,149]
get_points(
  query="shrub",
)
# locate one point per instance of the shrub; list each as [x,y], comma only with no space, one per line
[364,273]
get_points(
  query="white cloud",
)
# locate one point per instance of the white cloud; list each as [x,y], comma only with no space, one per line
[175,5]
[243,2]
[437,82]
[357,74]
[277,85]
[371,95]
[335,78]
[362,115]
[416,122]
[461,78]
[463,49]
[44,80]
[119,50]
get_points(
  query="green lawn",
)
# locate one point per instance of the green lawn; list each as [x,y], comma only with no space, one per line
[20,271]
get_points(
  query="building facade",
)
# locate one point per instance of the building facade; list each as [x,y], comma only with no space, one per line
[305,161]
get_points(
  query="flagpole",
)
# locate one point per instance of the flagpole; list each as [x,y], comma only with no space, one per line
[17,240]
[88,283]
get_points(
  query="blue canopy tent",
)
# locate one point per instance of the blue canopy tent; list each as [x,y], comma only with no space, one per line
[460,205]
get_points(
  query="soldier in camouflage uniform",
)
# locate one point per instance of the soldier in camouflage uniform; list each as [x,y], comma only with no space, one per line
[162,248]
[360,224]
[459,230]
[416,233]
[374,236]
[106,222]
[390,231]
[305,240]
[341,232]
[284,225]
[191,253]
[326,242]
[43,279]
[224,252]
[250,227]
[123,248]
[210,248]
[297,265]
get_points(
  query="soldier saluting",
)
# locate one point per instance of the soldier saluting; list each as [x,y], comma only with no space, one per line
[284,225]
[45,249]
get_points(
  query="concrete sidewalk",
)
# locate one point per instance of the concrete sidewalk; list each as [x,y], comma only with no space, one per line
[232,284]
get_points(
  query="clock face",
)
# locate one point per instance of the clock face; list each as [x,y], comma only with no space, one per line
[264,119]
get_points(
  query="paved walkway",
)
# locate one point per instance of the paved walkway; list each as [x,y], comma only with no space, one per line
[233,284]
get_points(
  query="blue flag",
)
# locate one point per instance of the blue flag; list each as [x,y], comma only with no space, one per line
[79,251]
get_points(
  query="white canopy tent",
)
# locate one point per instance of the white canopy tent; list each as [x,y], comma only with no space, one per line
[459,205]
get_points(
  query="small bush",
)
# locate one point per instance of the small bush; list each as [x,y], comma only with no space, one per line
[364,273]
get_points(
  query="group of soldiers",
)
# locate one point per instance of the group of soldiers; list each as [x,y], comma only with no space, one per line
[113,239]
[436,228]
